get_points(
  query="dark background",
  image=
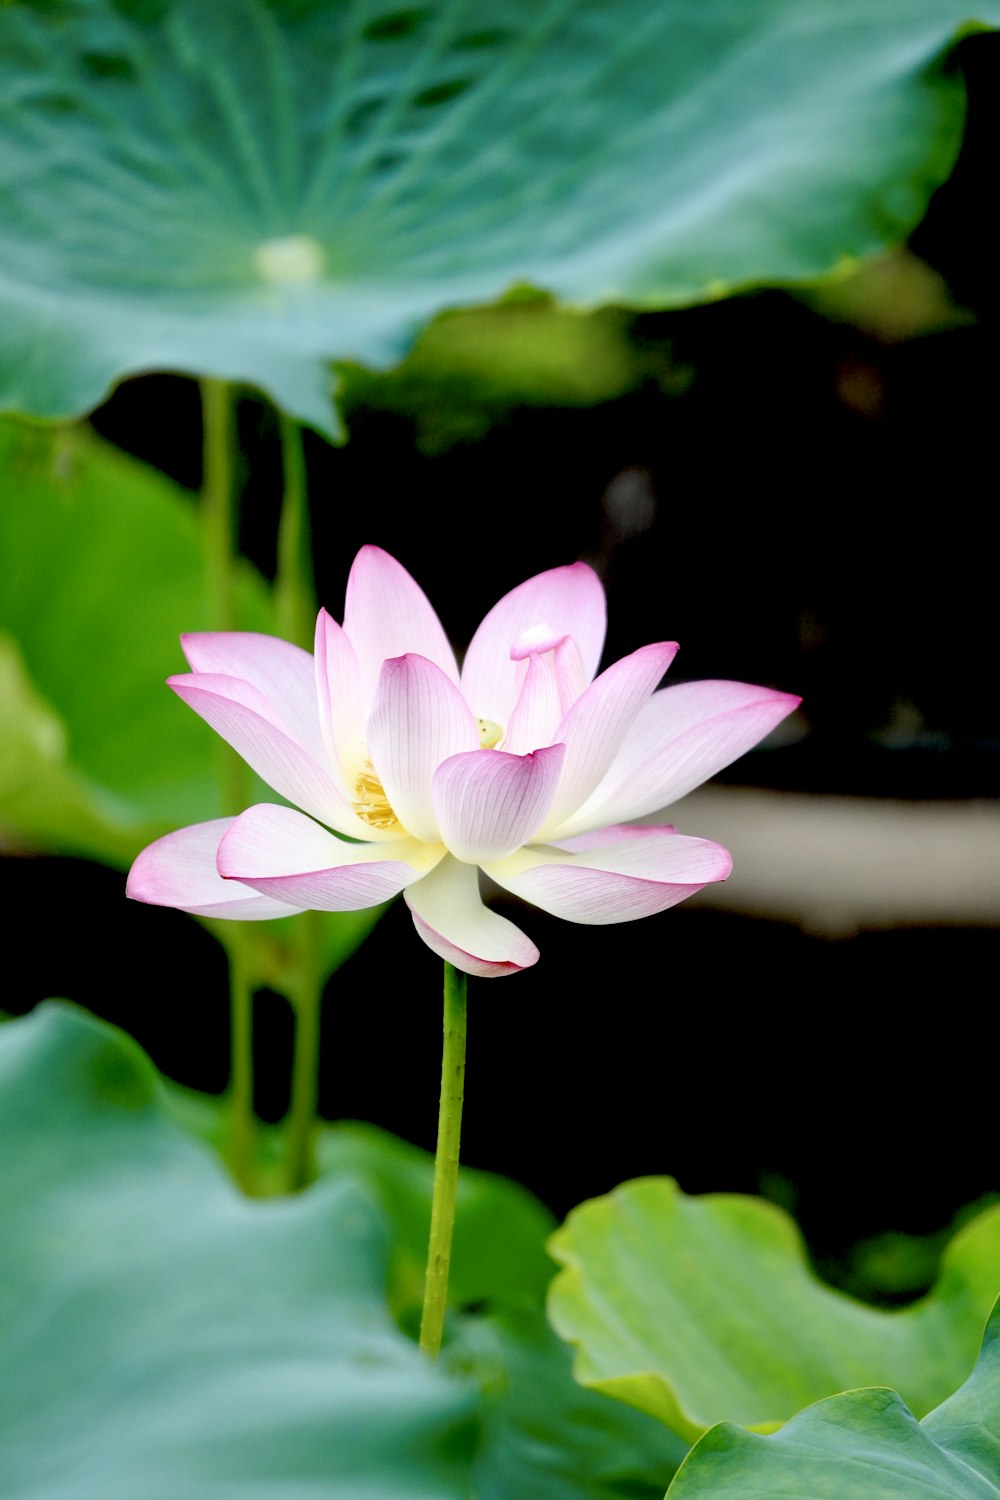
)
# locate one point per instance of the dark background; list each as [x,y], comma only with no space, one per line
[822,498]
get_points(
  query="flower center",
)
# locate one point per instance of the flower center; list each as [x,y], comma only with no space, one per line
[371,804]
[490,734]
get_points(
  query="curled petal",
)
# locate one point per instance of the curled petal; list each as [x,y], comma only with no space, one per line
[338,689]
[489,803]
[618,882]
[538,709]
[418,721]
[452,920]
[387,614]
[596,726]
[248,722]
[281,853]
[681,737]
[566,601]
[281,672]
[179,870]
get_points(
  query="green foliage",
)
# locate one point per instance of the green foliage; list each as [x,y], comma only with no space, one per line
[43,800]
[468,370]
[106,572]
[97,757]
[700,1310]
[547,1438]
[511,1267]
[862,1444]
[252,190]
[163,1336]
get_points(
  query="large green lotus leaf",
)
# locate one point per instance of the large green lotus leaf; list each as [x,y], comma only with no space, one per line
[545,1437]
[163,1336]
[251,189]
[861,1445]
[704,1309]
[501,1230]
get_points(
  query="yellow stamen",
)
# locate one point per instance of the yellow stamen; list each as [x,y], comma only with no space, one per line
[490,734]
[371,804]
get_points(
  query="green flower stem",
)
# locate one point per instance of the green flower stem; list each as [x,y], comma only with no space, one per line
[295,604]
[219,534]
[294,588]
[306,997]
[217,499]
[445,1161]
[242,1127]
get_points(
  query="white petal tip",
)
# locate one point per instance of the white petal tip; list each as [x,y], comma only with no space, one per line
[469,963]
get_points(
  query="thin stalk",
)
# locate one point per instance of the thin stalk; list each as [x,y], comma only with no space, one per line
[445,1162]
[219,540]
[218,501]
[294,589]
[302,1126]
[295,604]
[242,1123]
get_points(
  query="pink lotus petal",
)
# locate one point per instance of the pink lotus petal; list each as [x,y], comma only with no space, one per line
[617,833]
[616,883]
[452,920]
[248,722]
[338,689]
[538,710]
[281,853]
[682,736]
[561,654]
[566,601]
[536,641]
[419,719]
[596,726]
[571,676]
[387,614]
[489,803]
[179,870]
[281,672]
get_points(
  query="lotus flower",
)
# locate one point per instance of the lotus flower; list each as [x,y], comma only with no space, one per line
[413,776]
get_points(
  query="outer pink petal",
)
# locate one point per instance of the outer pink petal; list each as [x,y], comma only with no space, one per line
[280,853]
[489,803]
[617,882]
[596,726]
[418,721]
[338,689]
[452,920]
[179,870]
[538,709]
[280,671]
[618,833]
[249,723]
[569,601]
[682,736]
[387,614]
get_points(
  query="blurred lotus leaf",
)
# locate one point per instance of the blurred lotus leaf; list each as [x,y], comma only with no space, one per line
[253,190]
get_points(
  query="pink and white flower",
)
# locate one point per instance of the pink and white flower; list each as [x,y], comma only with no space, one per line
[525,764]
